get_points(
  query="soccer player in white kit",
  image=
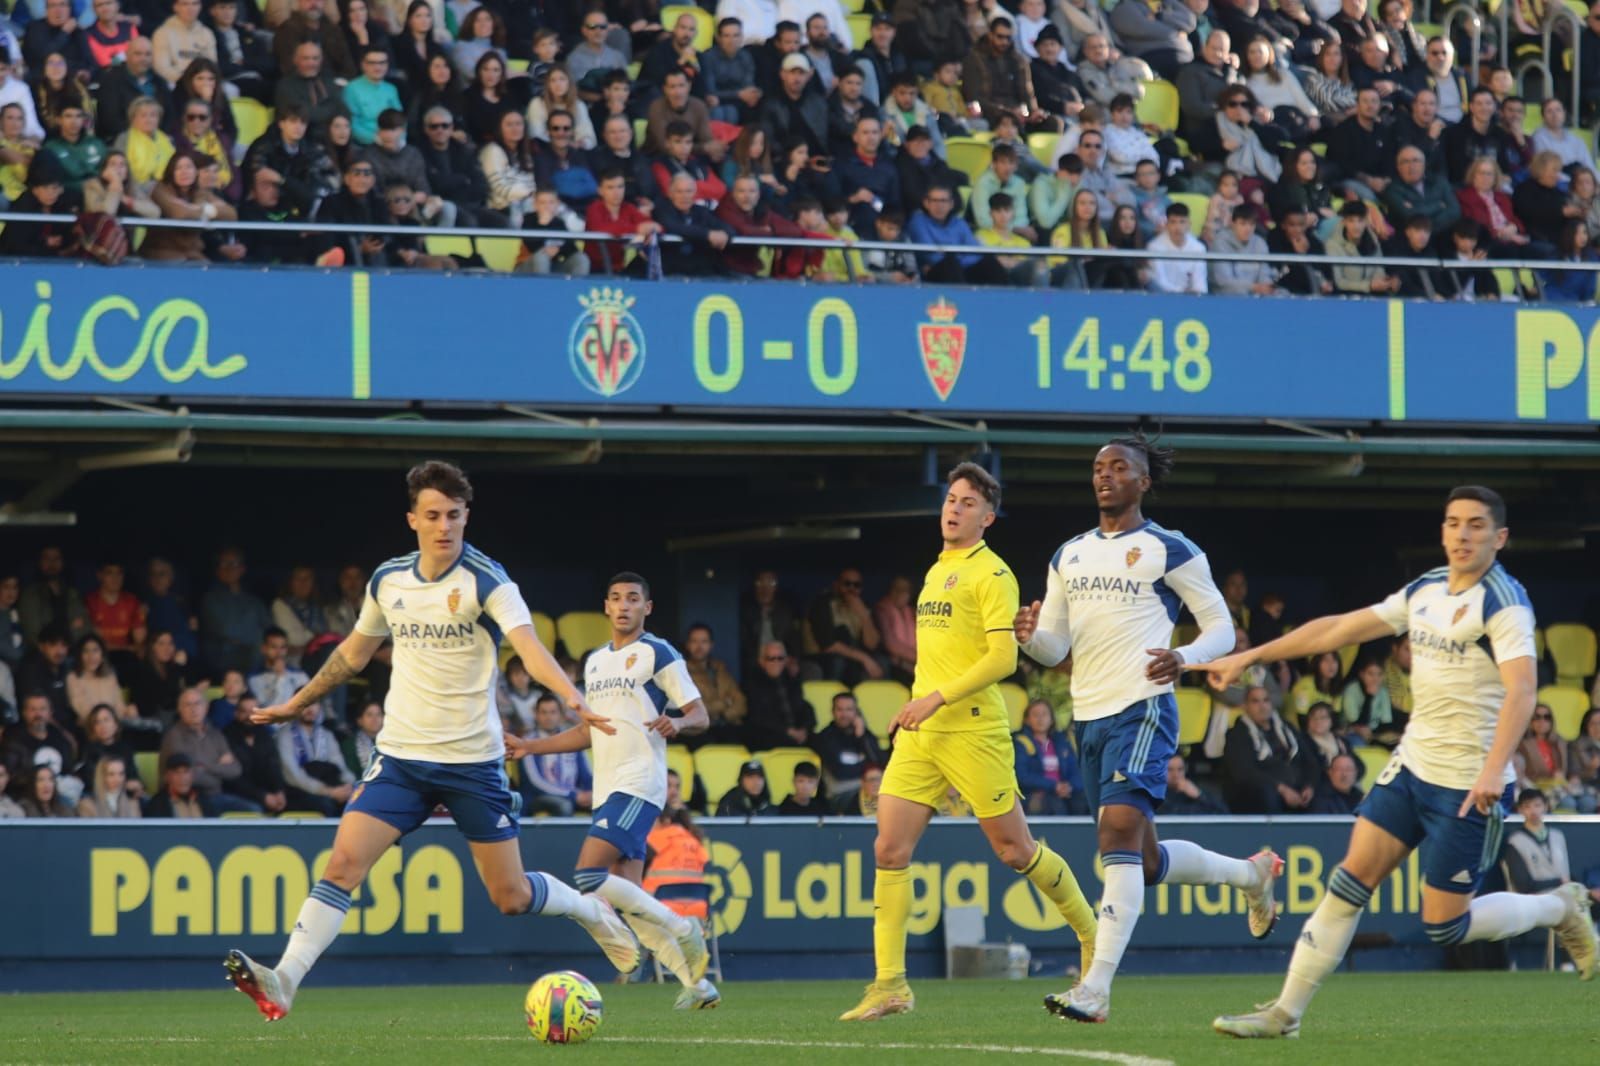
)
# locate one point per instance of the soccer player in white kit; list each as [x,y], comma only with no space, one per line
[637,681]
[1112,596]
[1473,688]
[446,607]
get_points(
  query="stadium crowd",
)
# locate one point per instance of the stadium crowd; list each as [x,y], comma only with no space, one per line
[94,680]
[1298,129]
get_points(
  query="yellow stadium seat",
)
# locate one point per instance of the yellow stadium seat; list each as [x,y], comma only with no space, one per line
[1372,760]
[1538,644]
[779,764]
[583,631]
[1572,646]
[460,247]
[820,695]
[500,253]
[1186,632]
[148,764]
[851,7]
[634,68]
[1506,280]
[680,760]
[880,701]
[1198,204]
[1347,655]
[966,155]
[1159,106]
[860,28]
[1194,715]
[241,815]
[1043,146]
[639,126]
[212,693]
[718,767]
[303,816]
[517,66]
[250,118]
[705,25]
[1567,705]
[544,627]
[1016,698]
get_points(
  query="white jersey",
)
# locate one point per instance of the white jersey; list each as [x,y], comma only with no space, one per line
[1457,644]
[632,686]
[446,634]
[1111,597]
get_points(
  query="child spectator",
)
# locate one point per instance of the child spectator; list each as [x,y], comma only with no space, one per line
[224,709]
[904,109]
[1177,275]
[1007,134]
[803,801]
[680,158]
[943,94]
[1126,143]
[1353,238]
[546,255]
[1241,279]
[836,218]
[1219,209]
[1150,199]
[1020,269]
[1001,176]
[1079,229]
[516,696]
[897,265]
[1051,194]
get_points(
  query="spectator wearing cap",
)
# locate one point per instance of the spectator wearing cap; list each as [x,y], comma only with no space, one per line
[678,157]
[613,213]
[178,797]
[213,765]
[778,715]
[304,84]
[1178,275]
[370,95]
[938,223]
[1239,237]
[868,180]
[846,748]
[300,164]
[903,109]
[794,112]
[314,772]
[749,797]
[704,235]
[675,104]
[804,801]
[1001,176]
[996,76]
[453,171]
[827,60]
[1338,790]
[846,104]
[879,60]
[47,194]
[1157,34]
[728,74]
[918,166]
[1353,238]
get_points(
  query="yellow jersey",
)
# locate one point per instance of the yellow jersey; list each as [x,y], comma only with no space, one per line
[968,594]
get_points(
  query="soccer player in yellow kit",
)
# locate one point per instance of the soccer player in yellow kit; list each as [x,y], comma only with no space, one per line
[955,732]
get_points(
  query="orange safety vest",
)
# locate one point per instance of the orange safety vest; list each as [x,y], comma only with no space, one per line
[680,859]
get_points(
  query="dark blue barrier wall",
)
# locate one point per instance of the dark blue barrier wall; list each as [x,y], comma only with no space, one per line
[176,891]
[304,334]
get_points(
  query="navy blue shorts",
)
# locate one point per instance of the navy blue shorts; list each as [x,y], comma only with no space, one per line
[404,792]
[624,822]
[1454,853]
[1124,757]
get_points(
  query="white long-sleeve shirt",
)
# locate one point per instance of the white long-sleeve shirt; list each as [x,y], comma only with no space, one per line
[1177,275]
[758,17]
[1110,598]
[16,91]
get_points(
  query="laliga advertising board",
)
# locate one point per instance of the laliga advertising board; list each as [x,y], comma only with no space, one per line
[815,348]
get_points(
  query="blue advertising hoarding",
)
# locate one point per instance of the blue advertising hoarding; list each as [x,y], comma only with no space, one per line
[310,335]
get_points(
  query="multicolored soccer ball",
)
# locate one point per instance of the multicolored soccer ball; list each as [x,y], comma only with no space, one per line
[563,1008]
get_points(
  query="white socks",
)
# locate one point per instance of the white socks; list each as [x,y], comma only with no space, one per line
[1186,863]
[555,897]
[320,917]
[664,946]
[1323,941]
[631,901]
[1502,915]
[1120,905]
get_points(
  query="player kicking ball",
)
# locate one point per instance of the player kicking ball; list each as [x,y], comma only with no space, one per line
[955,732]
[1112,595]
[445,606]
[1445,791]
[637,681]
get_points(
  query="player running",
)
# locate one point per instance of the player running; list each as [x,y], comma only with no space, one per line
[637,680]
[955,731]
[1446,788]
[445,606]
[1112,595]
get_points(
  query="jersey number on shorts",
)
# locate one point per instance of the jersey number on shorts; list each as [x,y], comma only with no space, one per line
[375,769]
[1391,769]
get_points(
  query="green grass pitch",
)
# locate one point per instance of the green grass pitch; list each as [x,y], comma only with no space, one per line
[1400,1018]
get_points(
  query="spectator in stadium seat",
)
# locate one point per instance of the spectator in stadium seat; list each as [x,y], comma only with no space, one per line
[107,795]
[1000,233]
[897,624]
[108,36]
[718,689]
[673,52]
[866,798]
[1476,136]
[749,216]
[1359,149]
[51,598]
[1319,723]
[369,96]
[749,798]
[846,748]
[1541,200]
[214,767]
[704,235]
[508,164]
[1270,767]
[794,112]
[918,166]
[1543,754]
[487,99]
[804,801]
[182,193]
[1420,127]
[306,86]
[1415,238]
[1200,85]
[867,178]
[1535,853]
[360,746]
[1178,275]
[92,681]
[680,158]
[454,173]
[1047,764]
[244,58]
[896,266]
[394,160]
[181,40]
[675,106]
[1339,789]
[1001,176]
[277,680]
[516,696]
[480,32]
[593,53]
[848,642]
[1110,191]
[314,772]
[178,798]
[612,212]
[777,714]
[343,610]
[261,773]
[880,60]
[9,808]
[846,104]
[233,619]
[616,152]
[1516,147]
[1365,709]
[12,641]
[767,616]
[166,609]
[1415,191]
[80,153]
[443,89]
[938,223]
[42,797]
[225,707]
[302,168]
[996,77]
[560,784]
[45,670]
[310,25]
[105,740]
[1240,237]
[547,256]
[36,740]
[1553,136]
[298,612]
[1186,797]
[1294,236]
[161,676]
[1583,762]
[559,94]
[1157,35]
[822,40]
[1353,238]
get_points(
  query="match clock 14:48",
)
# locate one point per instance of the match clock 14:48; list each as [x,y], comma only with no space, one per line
[1184,355]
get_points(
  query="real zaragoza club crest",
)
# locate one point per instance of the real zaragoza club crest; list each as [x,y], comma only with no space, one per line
[607,343]
[944,344]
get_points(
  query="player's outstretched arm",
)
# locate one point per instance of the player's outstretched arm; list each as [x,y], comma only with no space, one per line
[693,719]
[347,660]
[575,739]
[1328,633]
[1041,629]
[543,668]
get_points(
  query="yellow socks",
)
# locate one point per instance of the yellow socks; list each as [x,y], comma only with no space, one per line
[891,899]
[1053,877]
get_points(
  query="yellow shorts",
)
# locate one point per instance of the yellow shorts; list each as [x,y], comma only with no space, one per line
[981,766]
